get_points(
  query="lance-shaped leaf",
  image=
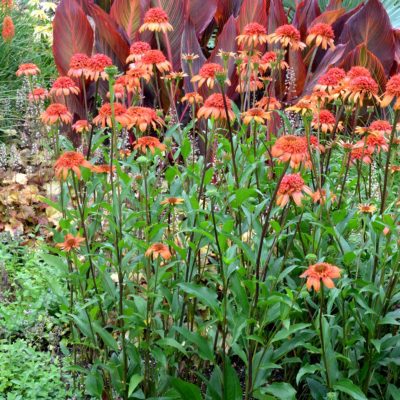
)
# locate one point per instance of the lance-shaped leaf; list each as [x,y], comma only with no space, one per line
[396,33]
[252,11]
[201,13]
[276,15]
[129,15]
[305,13]
[109,40]
[72,34]
[329,16]
[371,26]
[363,57]
[190,44]
[226,8]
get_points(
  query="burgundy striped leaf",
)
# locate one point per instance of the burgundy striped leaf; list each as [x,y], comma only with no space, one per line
[109,39]
[201,13]
[371,26]
[329,17]
[276,15]
[72,34]
[396,66]
[226,8]
[306,12]
[252,11]
[129,15]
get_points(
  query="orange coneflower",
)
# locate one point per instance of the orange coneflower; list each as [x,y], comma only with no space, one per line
[156,20]
[56,113]
[270,61]
[323,36]
[366,208]
[291,148]
[269,103]
[303,106]
[356,72]
[189,57]
[81,126]
[376,141]
[38,94]
[159,249]
[331,80]
[361,153]
[315,143]
[142,117]
[214,107]
[119,88]
[253,35]
[78,64]
[207,74]
[70,161]
[292,186]
[318,272]
[380,126]
[320,196]
[135,74]
[173,201]
[287,35]
[155,58]
[104,118]
[64,86]
[96,65]
[70,242]
[102,168]
[252,84]
[27,70]
[257,115]
[326,122]
[392,92]
[8,31]
[137,51]
[192,98]
[360,88]
[148,142]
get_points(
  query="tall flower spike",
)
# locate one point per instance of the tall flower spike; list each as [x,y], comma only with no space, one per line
[8,31]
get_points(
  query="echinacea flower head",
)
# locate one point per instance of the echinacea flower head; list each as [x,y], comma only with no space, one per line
[38,94]
[291,148]
[151,143]
[322,34]
[269,103]
[304,106]
[292,186]
[135,74]
[96,65]
[331,80]
[253,34]
[155,58]
[102,169]
[192,98]
[70,161]
[143,117]
[257,115]
[207,74]
[156,20]
[380,126]
[326,122]
[320,196]
[172,201]
[8,31]
[392,92]
[376,141]
[252,84]
[64,86]
[214,107]
[137,51]
[70,242]
[361,88]
[318,272]
[81,126]
[104,118]
[357,71]
[270,61]
[288,36]
[189,57]
[159,250]
[360,153]
[78,64]
[56,113]
[314,143]
[366,208]
[27,70]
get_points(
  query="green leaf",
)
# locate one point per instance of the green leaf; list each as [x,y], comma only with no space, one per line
[284,333]
[307,369]
[348,387]
[232,388]
[171,343]
[94,384]
[204,294]
[281,390]
[106,337]
[133,383]
[188,391]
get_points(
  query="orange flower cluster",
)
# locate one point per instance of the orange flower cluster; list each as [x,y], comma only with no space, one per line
[8,31]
